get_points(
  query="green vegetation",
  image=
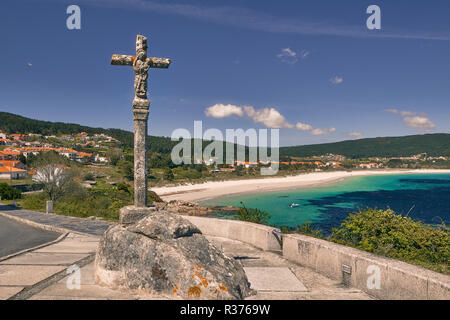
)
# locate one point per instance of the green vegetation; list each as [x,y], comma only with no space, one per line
[103,200]
[8,193]
[433,144]
[305,229]
[12,123]
[385,233]
[252,215]
[388,234]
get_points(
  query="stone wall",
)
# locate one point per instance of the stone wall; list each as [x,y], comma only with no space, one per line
[381,277]
[257,235]
[378,276]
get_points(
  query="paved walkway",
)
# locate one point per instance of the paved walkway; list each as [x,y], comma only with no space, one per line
[42,274]
[91,227]
[16,236]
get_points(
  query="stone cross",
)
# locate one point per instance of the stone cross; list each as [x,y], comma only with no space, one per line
[140,63]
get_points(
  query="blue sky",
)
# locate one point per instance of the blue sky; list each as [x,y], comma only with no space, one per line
[309,67]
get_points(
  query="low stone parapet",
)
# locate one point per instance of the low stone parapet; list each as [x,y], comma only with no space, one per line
[378,276]
[255,234]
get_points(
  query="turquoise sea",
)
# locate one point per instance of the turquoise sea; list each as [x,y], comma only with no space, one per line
[424,197]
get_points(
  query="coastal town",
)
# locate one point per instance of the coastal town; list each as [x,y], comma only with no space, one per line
[16,147]
[93,150]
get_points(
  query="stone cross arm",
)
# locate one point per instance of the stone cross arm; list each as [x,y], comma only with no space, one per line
[125,60]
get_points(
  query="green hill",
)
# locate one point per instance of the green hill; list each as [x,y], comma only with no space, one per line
[433,144]
[11,123]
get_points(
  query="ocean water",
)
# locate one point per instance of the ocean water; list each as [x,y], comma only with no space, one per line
[424,197]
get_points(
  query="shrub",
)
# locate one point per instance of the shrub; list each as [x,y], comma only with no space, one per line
[35,201]
[153,197]
[9,193]
[88,176]
[386,233]
[253,215]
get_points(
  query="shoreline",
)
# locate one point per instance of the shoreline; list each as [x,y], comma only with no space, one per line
[210,190]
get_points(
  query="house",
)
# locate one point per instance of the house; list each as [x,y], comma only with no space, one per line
[18,136]
[12,163]
[83,156]
[246,164]
[9,172]
[5,142]
[333,164]
[69,153]
[100,159]
[9,154]
[369,165]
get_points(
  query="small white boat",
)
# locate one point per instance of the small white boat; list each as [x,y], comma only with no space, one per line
[294,205]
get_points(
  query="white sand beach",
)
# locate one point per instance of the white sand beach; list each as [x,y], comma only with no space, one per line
[209,190]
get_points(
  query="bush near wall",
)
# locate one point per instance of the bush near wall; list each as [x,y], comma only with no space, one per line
[385,233]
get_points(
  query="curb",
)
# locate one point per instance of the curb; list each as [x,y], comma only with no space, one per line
[45,226]
[64,232]
[12,255]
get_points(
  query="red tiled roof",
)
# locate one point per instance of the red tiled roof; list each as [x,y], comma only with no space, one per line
[11,169]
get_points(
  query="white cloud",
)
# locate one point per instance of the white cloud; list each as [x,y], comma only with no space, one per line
[319,131]
[288,56]
[420,123]
[407,113]
[304,54]
[402,112]
[303,126]
[337,80]
[270,117]
[394,111]
[222,111]
[29,64]
[356,135]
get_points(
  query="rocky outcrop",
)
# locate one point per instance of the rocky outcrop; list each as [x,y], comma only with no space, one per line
[164,254]
[185,208]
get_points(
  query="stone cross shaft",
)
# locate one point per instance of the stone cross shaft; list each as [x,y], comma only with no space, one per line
[140,63]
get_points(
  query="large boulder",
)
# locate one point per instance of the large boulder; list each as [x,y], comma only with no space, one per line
[166,255]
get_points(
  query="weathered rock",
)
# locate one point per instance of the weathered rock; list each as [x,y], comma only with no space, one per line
[185,208]
[164,254]
[131,214]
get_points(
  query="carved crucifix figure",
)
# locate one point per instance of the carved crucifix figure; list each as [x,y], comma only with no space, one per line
[141,64]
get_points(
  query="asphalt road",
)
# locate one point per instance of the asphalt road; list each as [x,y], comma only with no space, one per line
[16,236]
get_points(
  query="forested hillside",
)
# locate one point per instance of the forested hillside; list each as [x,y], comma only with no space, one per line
[433,144]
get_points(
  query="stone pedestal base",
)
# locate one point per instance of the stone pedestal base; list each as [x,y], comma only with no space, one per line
[131,214]
[166,256]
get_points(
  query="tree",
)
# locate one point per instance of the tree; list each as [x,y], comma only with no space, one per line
[52,171]
[55,179]
[114,155]
[23,159]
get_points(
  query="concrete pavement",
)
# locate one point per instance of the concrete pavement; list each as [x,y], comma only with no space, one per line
[16,236]
[50,272]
